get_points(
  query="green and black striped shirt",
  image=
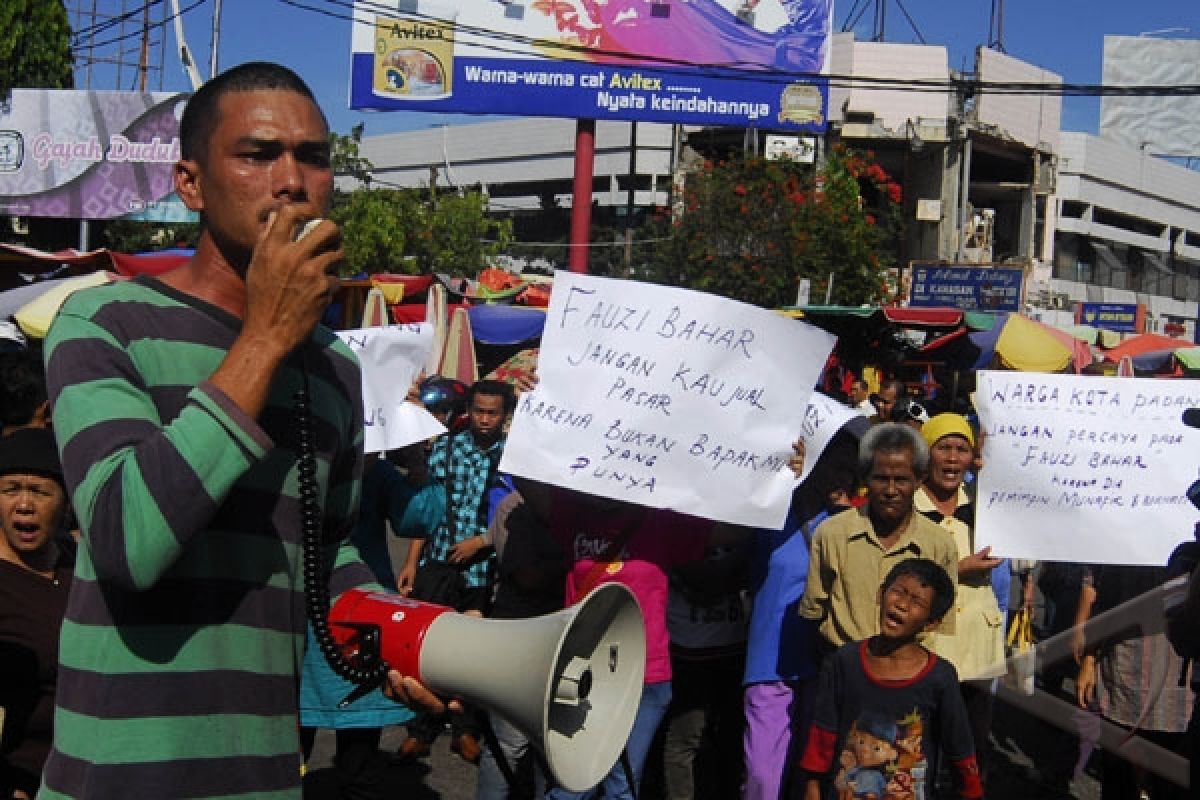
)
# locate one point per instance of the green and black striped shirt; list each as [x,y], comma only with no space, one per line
[185,624]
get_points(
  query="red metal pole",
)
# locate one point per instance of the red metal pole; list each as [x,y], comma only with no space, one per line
[581,203]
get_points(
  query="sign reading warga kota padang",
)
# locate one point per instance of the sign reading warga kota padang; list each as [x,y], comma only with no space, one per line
[1083,468]
[968,288]
[703,62]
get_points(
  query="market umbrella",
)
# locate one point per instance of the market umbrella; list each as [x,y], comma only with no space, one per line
[1145,343]
[36,316]
[1189,358]
[1026,345]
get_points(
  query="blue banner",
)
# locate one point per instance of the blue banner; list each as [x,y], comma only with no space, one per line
[702,62]
[1121,317]
[968,288]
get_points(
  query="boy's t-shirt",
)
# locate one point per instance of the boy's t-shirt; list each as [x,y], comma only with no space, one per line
[882,738]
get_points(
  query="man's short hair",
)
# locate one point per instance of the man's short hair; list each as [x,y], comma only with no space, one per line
[893,383]
[200,116]
[890,437]
[22,387]
[927,573]
[493,388]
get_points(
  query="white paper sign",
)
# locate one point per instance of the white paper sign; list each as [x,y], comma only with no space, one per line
[391,358]
[668,398]
[1082,468]
[822,419]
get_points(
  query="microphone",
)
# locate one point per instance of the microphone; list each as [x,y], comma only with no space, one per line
[1191,417]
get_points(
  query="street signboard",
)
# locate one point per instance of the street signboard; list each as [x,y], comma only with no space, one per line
[1121,317]
[971,288]
[90,154]
[701,62]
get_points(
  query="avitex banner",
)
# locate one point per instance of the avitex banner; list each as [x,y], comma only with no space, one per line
[711,62]
[90,155]
[669,398]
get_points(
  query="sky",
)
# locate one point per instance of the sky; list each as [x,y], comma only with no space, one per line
[313,37]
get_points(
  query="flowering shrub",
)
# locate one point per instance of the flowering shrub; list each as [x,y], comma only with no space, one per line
[751,228]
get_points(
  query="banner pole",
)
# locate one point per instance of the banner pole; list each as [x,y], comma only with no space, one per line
[581,202]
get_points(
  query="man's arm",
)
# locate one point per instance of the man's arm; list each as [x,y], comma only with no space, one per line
[815,603]
[141,488]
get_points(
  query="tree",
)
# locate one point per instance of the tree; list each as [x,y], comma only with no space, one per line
[751,228]
[411,231]
[35,46]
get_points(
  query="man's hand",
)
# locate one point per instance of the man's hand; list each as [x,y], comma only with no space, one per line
[467,549]
[978,562]
[796,462]
[404,581]
[1085,682]
[408,690]
[290,283]
[414,390]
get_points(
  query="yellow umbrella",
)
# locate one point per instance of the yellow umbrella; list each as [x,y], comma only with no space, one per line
[1027,346]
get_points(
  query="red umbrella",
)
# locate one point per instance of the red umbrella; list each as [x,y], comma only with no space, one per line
[1145,343]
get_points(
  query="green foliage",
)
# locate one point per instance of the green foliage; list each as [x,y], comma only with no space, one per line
[134,236]
[411,231]
[752,228]
[345,158]
[375,229]
[35,46]
[407,231]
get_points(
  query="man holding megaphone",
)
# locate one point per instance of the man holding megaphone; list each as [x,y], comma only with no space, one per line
[175,403]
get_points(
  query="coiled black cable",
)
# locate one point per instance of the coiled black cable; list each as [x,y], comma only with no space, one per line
[367,670]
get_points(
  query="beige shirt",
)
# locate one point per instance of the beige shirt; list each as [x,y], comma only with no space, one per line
[847,566]
[976,647]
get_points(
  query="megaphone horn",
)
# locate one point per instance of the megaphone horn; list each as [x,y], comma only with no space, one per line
[571,681]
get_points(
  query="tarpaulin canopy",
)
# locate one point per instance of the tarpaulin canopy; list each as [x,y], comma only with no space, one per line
[904,317]
[128,264]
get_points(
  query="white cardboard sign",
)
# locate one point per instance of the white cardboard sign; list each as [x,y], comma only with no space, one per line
[1083,468]
[391,358]
[822,419]
[667,398]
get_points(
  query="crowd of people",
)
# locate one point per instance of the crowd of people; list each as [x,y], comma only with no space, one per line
[158,477]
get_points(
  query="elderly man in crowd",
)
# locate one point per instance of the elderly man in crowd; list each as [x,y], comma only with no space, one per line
[853,551]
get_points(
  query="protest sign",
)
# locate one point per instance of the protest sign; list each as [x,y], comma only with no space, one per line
[822,419]
[668,398]
[391,358]
[1083,468]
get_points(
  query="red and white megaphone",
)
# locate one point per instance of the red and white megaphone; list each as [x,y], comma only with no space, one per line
[571,681]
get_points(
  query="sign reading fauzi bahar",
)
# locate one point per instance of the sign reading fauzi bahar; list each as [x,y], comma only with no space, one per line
[667,398]
[713,62]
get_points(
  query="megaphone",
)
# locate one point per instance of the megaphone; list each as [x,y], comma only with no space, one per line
[571,681]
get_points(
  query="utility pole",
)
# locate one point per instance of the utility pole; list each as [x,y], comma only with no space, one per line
[144,59]
[996,27]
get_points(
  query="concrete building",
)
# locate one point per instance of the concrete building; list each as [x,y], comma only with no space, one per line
[989,177]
